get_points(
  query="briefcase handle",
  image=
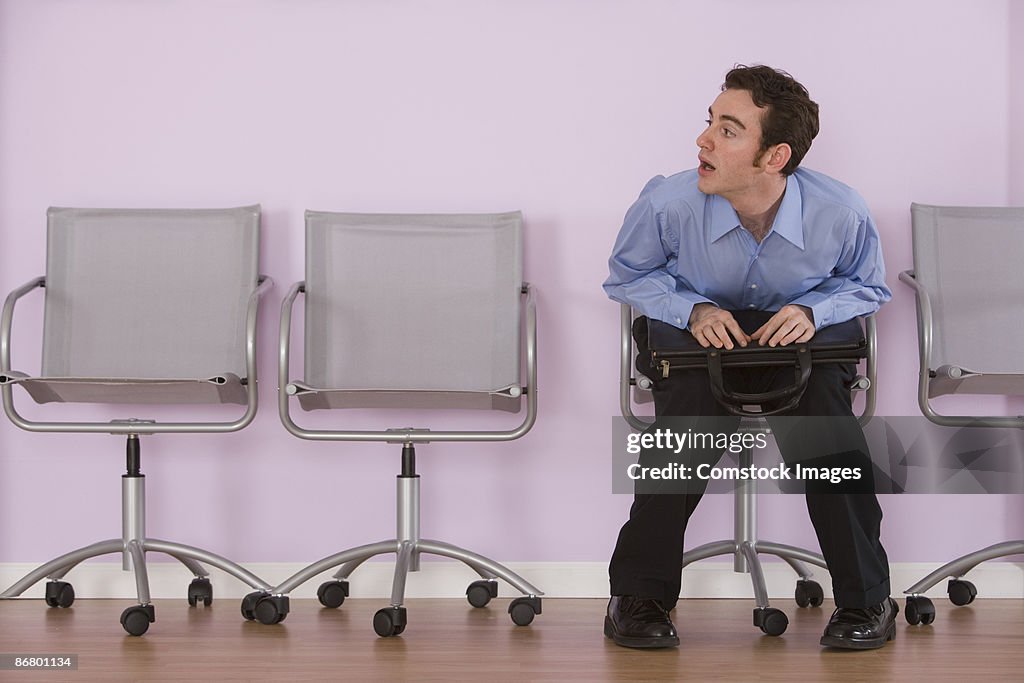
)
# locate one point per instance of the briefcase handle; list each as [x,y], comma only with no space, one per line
[734,401]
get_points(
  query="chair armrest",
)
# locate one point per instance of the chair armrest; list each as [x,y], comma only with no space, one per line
[627,378]
[130,426]
[263,285]
[925,333]
[7,319]
[286,390]
[871,336]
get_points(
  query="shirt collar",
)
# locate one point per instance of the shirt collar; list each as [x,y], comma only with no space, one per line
[788,224]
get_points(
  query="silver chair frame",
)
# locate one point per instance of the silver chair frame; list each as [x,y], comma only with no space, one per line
[408,545]
[960,566]
[744,545]
[133,544]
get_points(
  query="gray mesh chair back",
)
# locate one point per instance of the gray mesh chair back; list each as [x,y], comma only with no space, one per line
[968,285]
[423,311]
[147,295]
[142,307]
[967,259]
[412,310]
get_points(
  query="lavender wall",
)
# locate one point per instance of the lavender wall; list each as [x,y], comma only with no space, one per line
[562,110]
[1016,25]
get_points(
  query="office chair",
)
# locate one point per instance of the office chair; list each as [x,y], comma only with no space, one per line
[142,307]
[968,286]
[745,545]
[410,311]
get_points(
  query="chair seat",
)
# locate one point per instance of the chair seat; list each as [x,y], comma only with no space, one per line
[312,398]
[998,383]
[225,388]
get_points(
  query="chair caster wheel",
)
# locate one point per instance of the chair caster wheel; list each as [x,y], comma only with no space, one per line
[59,594]
[771,621]
[332,593]
[200,590]
[809,593]
[480,593]
[136,620]
[271,609]
[524,609]
[961,592]
[920,610]
[249,605]
[389,621]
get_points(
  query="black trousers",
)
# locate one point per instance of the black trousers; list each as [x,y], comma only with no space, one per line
[647,559]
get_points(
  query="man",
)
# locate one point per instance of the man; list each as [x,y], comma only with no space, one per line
[749,230]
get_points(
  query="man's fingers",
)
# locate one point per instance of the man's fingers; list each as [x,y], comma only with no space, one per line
[782,333]
[800,332]
[722,335]
[764,335]
[737,332]
[719,329]
[713,334]
[698,334]
[785,327]
[799,335]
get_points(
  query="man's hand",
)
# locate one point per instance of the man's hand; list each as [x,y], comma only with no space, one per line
[711,326]
[791,324]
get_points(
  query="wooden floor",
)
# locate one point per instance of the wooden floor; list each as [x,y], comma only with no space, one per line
[448,639]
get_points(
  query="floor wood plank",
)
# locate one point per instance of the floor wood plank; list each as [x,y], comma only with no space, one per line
[448,639]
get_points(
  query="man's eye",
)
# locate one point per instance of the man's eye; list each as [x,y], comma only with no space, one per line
[707,121]
[728,133]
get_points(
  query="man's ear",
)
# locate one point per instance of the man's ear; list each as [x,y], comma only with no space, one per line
[777,157]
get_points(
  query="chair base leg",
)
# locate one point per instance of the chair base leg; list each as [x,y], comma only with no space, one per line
[920,610]
[771,621]
[391,621]
[349,560]
[765,617]
[133,546]
[407,546]
[136,619]
[960,566]
[57,568]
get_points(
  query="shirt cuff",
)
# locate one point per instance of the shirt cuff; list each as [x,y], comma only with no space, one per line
[821,305]
[680,307]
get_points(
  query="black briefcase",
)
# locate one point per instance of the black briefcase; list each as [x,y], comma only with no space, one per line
[674,349]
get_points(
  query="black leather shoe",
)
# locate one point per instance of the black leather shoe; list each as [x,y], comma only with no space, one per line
[639,622]
[862,629]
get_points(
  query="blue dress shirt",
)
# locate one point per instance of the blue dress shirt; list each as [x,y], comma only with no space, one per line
[679,247]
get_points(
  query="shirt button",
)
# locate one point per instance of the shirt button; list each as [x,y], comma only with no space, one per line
[750,306]
[753,286]
[679,320]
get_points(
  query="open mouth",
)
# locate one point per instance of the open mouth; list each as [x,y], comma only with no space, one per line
[706,166]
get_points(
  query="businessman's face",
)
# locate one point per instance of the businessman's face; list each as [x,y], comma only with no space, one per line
[730,160]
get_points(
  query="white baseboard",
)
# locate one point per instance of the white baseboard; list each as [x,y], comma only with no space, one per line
[442,579]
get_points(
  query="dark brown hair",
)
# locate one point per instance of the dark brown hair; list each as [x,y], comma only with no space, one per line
[790,115]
